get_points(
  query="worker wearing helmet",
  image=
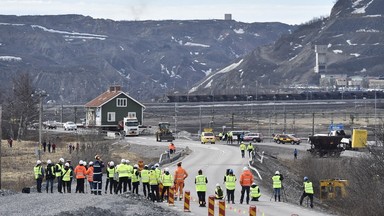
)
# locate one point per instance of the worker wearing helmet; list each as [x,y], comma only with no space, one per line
[158,173]
[111,170]
[98,166]
[250,149]
[219,194]
[277,184]
[39,175]
[167,181]
[130,173]
[179,177]
[154,183]
[230,185]
[122,170]
[246,179]
[255,192]
[49,175]
[80,173]
[90,176]
[59,167]
[135,179]
[66,177]
[201,182]
[308,191]
[145,180]
[243,147]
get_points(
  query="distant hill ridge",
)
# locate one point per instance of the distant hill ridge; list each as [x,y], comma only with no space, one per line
[75,58]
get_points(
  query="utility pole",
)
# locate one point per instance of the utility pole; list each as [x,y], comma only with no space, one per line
[313,124]
[233,119]
[41,94]
[1,136]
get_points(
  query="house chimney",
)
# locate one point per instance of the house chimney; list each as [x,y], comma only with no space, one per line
[115,88]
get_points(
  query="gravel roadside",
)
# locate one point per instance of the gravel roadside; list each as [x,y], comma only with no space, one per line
[16,204]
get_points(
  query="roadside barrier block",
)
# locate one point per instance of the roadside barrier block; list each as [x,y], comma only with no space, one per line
[187,197]
[221,208]
[211,205]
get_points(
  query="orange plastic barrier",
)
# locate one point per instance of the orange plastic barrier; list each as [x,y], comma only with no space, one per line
[211,205]
[252,210]
[187,197]
[221,208]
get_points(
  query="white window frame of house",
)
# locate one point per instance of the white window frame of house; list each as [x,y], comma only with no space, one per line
[121,102]
[111,116]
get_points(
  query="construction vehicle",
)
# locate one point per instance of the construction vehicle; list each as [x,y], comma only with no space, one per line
[164,133]
[332,144]
[131,125]
[333,189]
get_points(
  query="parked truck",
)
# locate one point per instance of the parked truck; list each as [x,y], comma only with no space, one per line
[131,125]
[332,144]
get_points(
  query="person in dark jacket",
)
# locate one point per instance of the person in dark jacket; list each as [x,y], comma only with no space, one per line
[98,166]
[50,175]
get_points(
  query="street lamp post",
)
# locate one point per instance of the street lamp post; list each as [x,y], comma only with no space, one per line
[41,94]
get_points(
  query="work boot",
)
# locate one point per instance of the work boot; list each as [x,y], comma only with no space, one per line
[279,198]
[275,198]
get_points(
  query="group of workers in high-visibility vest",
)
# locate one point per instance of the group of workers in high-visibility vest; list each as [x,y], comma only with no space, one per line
[124,177]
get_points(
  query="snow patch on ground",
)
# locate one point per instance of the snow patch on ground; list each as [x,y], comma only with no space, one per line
[329,45]
[207,72]
[360,8]
[12,24]
[209,84]
[10,58]
[367,30]
[376,15]
[297,46]
[196,44]
[292,58]
[71,34]
[363,70]
[257,35]
[350,43]
[224,70]
[339,35]
[355,54]
[239,31]
[337,51]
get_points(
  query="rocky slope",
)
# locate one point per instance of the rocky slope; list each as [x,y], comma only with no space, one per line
[75,58]
[353,34]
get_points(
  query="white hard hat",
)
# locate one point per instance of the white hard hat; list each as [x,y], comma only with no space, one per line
[49,161]
[157,165]
[122,160]
[245,168]
[277,173]
[61,160]
[136,166]
[66,164]
[38,162]
[85,163]
[90,162]
[217,185]
[166,169]
[111,163]
[127,161]
[254,183]
[81,162]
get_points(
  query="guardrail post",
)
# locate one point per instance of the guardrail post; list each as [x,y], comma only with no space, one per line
[222,208]
[252,210]
[211,205]
[187,197]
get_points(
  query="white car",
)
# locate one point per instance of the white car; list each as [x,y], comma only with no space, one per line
[70,126]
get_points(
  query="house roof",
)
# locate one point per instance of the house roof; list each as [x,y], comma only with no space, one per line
[108,96]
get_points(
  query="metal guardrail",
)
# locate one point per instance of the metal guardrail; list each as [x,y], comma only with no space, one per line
[167,158]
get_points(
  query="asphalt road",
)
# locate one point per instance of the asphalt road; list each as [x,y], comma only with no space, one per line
[214,159]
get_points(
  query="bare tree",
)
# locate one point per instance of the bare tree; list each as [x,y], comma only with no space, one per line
[20,106]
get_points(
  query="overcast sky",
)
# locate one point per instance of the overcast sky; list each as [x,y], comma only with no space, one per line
[286,11]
